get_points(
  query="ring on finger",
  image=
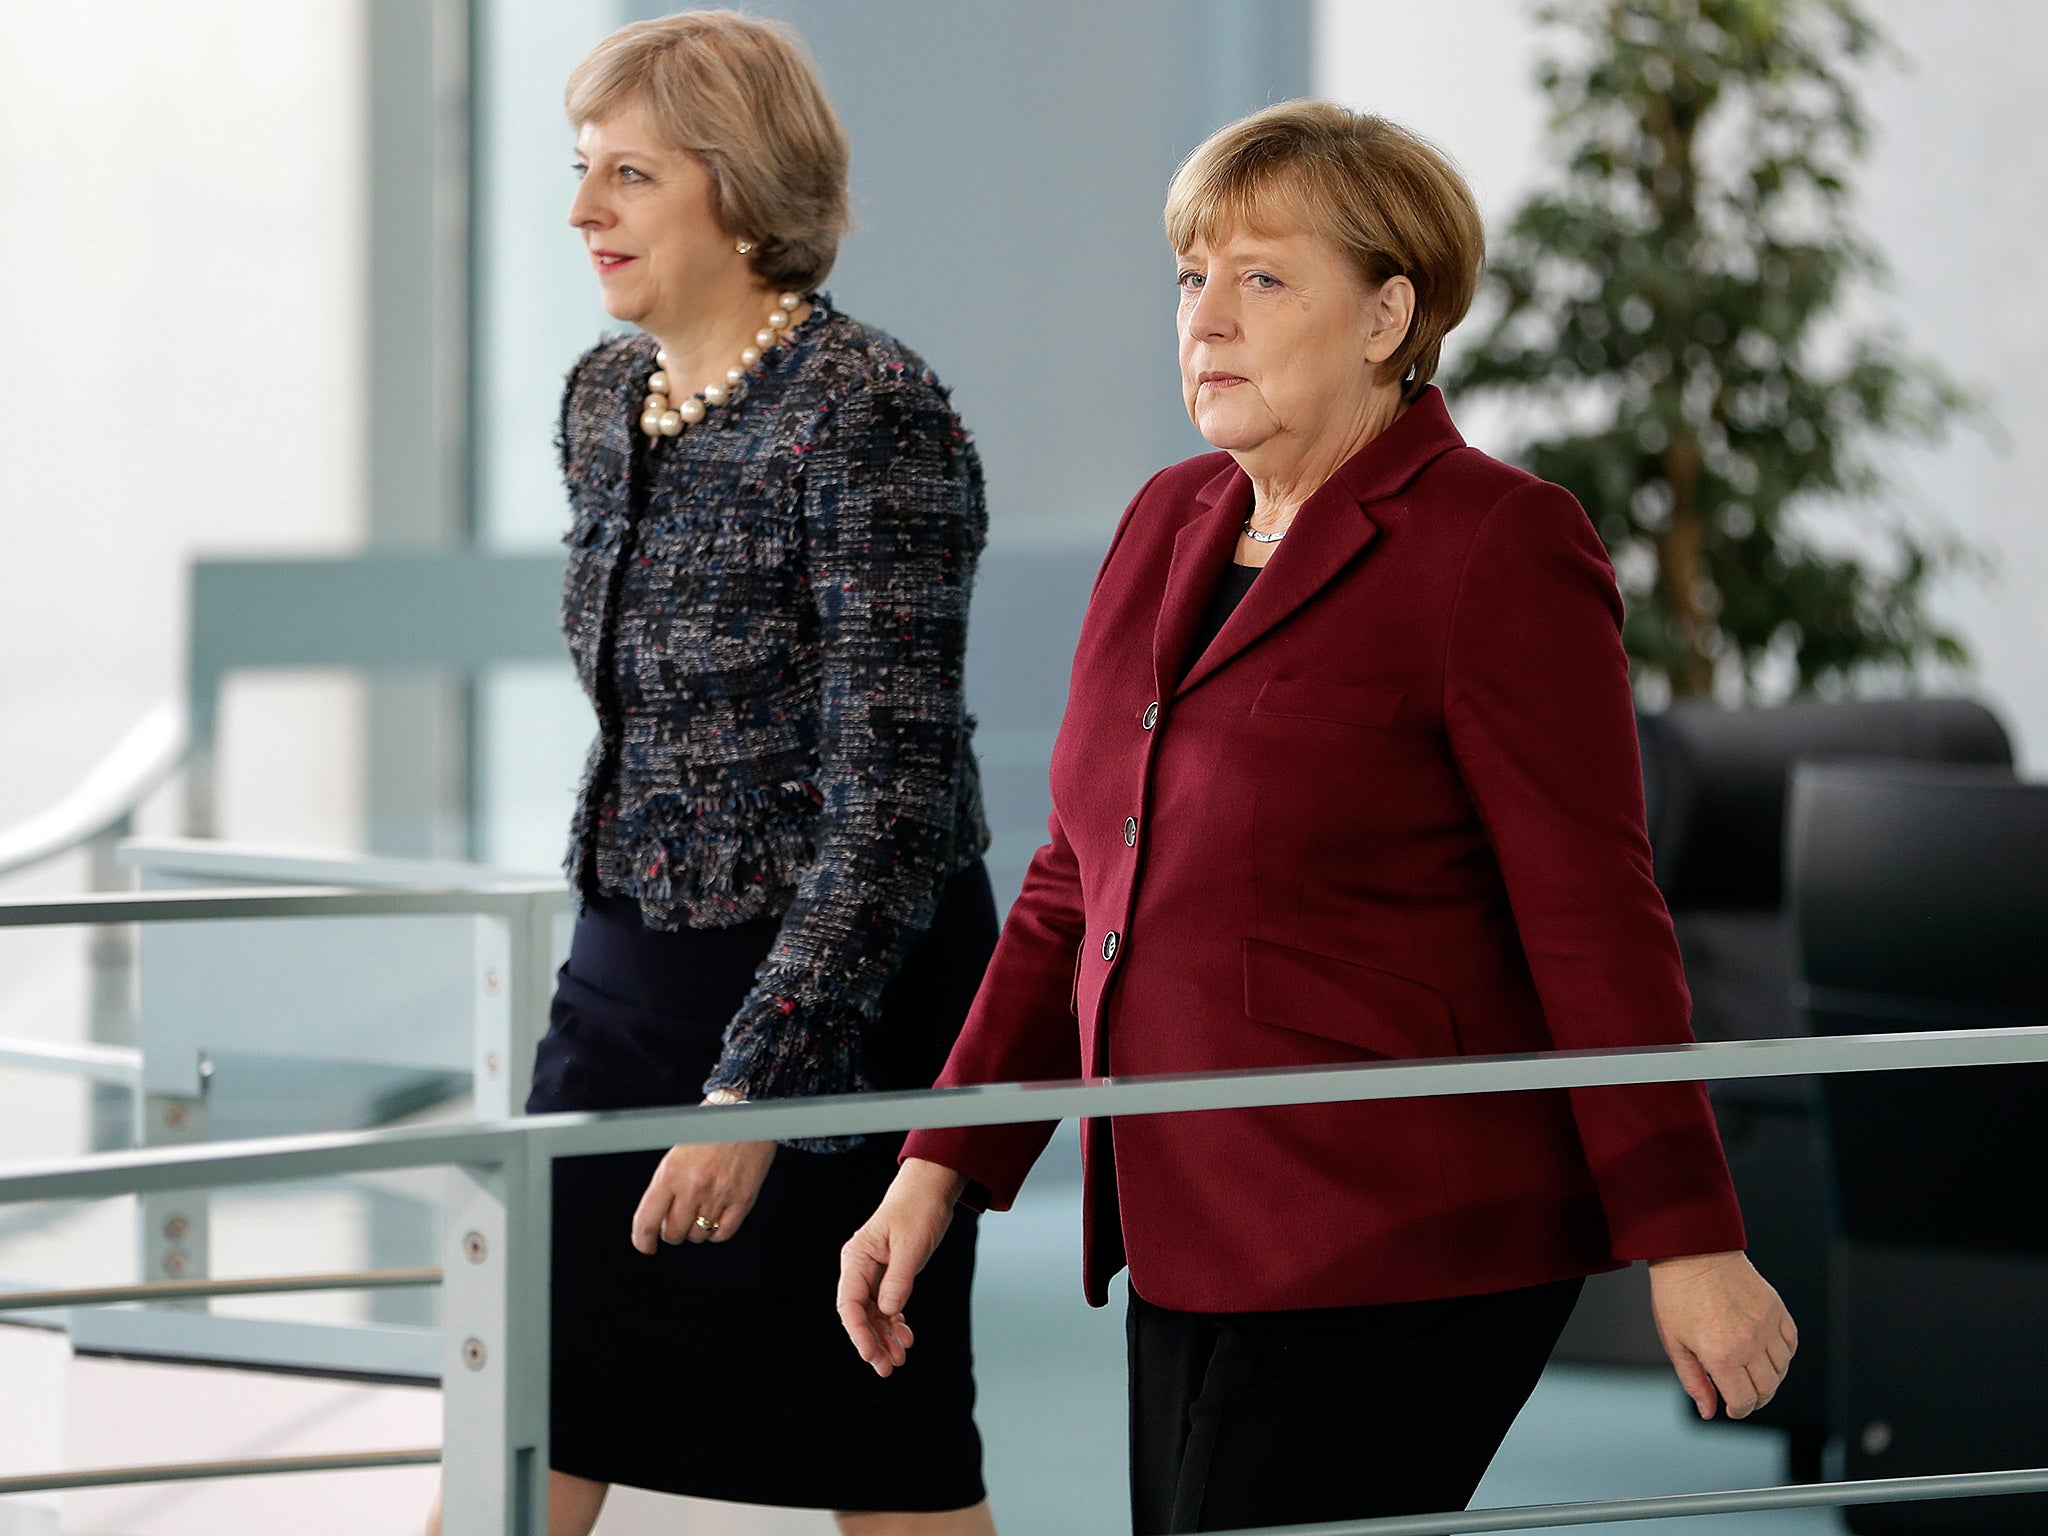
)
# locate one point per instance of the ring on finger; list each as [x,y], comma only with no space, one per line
[707,1224]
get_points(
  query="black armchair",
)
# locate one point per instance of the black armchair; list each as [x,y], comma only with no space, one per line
[1919,898]
[1715,782]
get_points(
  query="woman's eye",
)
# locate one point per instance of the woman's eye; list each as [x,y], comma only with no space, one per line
[628,173]
[1188,281]
[1265,282]
[579,170]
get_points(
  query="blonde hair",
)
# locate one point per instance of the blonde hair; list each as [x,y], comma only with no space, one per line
[743,96]
[1390,199]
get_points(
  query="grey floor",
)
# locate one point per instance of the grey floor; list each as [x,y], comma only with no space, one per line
[1052,1407]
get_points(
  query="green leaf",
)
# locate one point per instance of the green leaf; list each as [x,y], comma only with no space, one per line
[1680,302]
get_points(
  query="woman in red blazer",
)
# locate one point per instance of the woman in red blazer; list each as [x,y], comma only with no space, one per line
[1348,771]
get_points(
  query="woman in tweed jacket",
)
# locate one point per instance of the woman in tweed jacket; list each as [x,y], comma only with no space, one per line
[776,844]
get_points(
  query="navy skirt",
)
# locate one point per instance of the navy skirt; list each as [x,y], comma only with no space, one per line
[720,1370]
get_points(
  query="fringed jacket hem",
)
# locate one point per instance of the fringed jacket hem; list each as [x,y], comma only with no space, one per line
[769,615]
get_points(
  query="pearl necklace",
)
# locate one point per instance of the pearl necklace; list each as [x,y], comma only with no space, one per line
[658,418]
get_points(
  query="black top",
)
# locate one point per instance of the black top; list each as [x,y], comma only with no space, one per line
[1230,590]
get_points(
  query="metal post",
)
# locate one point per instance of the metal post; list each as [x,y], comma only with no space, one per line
[533,990]
[201,793]
[418,727]
[496,957]
[111,1018]
[515,970]
[494,1384]
[172,1235]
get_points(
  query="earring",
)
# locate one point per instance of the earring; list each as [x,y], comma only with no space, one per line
[744,247]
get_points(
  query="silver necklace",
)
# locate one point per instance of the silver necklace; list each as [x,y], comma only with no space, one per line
[1262,538]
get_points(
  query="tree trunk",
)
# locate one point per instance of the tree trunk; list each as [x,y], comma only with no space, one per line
[1670,117]
[1680,569]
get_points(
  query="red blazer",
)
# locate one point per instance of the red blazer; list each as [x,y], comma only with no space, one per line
[1395,810]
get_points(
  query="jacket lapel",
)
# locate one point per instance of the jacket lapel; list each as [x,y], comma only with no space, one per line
[1329,533]
[624,428]
[1200,551]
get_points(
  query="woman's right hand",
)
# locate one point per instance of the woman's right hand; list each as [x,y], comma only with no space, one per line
[881,1261]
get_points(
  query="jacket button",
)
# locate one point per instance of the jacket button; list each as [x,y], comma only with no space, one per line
[1109,944]
[1151,715]
[1130,831]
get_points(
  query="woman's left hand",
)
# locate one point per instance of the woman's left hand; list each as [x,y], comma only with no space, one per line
[1724,1328]
[701,1194]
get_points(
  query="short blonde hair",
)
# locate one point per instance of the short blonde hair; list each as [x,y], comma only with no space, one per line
[743,95]
[1390,199]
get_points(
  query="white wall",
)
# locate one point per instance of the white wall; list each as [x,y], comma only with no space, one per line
[1958,201]
[180,306]
[180,314]
[1953,195]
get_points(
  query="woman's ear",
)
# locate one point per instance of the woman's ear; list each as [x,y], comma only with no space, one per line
[1393,311]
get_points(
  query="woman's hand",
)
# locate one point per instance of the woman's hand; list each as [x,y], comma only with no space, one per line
[881,1260]
[701,1194]
[1723,1327]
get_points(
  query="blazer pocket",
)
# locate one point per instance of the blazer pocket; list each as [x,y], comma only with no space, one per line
[1302,698]
[1356,1005]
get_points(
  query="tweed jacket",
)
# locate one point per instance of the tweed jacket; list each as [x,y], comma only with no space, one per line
[769,615]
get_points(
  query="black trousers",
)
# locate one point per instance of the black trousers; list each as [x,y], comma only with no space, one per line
[1344,1413]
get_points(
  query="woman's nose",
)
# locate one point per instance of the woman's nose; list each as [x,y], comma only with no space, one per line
[1211,316]
[586,208]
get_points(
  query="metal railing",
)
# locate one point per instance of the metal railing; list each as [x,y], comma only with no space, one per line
[194,1290]
[22,1302]
[203,1471]
[523,913]
[120,1065]
[106,799]
[505,949]
[494,1453]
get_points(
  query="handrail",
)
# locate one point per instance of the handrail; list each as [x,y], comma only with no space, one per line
[189,859]
[275,1159]
[190,1290]
[1727,1501]
[193,1471]
[494,1464]
[111,791]
[120,1065]
[246,902]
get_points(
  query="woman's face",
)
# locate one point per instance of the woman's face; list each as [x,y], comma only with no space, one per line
[1281,340]
[647,216]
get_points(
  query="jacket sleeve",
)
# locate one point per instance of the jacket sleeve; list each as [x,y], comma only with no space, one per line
[564,414]
[894,519]
[1542,725]
[582,412]
[1021,1028]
